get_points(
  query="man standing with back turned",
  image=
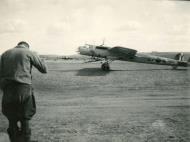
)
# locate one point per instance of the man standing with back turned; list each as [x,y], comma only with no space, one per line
[18,102]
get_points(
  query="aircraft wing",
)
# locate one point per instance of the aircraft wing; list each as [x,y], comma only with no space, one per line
[94,59]
[122,51]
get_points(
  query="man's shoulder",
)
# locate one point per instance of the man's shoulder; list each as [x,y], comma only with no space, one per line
[6,52]
[14,52]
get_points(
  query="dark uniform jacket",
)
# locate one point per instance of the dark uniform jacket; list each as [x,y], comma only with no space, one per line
[16,65]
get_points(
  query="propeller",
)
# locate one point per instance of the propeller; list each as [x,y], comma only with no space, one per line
[103,42]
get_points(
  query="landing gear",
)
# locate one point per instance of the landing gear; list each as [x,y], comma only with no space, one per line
[105,66]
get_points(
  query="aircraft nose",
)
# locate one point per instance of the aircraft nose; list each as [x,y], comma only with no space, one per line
[79,49]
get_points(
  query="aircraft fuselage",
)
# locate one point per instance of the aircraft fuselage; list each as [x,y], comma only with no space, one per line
[104,52]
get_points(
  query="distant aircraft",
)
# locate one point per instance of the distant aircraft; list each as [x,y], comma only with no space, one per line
[109,54]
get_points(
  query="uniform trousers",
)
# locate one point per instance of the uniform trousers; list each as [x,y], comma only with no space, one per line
[18,105]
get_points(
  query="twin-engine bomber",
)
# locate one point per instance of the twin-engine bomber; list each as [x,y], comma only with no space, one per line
[109,54]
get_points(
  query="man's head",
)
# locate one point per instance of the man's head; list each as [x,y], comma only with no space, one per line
[23,43]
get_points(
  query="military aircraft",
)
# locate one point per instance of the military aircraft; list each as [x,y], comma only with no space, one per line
[108,54]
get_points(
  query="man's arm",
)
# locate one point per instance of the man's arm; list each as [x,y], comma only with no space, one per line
[1,85]
[38,63]
[0,68]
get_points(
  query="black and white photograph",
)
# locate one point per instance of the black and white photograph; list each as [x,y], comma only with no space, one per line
[94,71]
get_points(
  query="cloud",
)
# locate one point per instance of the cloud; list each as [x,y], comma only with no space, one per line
[58,28]
[129,26]
[66,24]
[179,29]
[12,26]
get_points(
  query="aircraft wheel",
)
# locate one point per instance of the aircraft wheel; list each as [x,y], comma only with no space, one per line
[105,66]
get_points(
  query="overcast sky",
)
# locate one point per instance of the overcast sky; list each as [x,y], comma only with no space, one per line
[60,26]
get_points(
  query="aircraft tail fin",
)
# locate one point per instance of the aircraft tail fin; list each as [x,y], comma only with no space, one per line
[179,57]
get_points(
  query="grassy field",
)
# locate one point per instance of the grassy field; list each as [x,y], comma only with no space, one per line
[132,103]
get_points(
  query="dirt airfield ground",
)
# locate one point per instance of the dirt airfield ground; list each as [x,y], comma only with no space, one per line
[132,103]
